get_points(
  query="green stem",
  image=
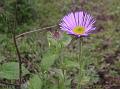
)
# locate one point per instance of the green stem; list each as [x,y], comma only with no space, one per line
[80,63]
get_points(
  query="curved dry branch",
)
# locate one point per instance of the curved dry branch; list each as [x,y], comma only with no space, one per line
[38,30]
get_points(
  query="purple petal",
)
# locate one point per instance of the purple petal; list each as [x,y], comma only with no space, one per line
[74,19]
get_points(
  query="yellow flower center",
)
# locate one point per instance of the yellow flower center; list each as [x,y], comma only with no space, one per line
[79,30]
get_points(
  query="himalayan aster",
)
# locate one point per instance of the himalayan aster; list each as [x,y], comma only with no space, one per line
[78,23]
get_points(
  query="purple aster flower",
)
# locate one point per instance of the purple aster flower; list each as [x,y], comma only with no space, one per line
[78,23]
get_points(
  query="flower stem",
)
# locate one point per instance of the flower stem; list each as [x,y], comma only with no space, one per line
[80,63]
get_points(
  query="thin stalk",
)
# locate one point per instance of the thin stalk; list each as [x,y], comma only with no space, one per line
[16,46]
[80,63]
[20,62]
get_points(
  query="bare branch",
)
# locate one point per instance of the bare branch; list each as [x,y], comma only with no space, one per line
[38,30]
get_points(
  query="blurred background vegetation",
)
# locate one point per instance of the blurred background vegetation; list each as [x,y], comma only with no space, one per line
[102,58]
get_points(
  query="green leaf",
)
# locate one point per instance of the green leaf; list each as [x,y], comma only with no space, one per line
[11,70]
[48,60]
[35,82]
[85,80]
[65,39]
[54,87]
[61,42]
[70,64]
[61,78]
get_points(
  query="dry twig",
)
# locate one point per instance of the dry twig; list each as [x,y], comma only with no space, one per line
[38,30]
